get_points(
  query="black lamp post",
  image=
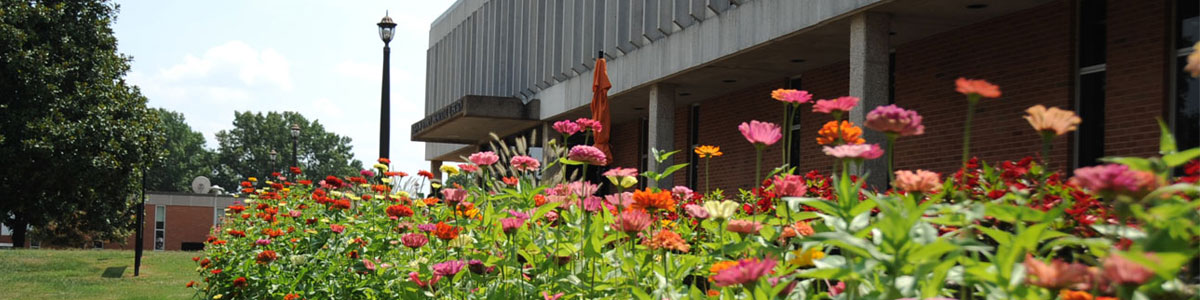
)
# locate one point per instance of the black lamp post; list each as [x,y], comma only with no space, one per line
[273,155]
[387,29]
[295,139]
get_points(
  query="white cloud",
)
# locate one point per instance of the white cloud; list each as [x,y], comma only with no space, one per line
[253,67]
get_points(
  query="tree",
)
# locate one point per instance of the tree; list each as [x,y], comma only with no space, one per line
[244,150]
[185,156]
[76,136]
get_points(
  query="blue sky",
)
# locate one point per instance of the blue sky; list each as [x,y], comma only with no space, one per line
[207,59]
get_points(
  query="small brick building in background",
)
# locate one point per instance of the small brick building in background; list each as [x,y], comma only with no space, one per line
[174,221]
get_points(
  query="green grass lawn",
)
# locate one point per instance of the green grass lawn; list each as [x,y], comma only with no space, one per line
[94,274]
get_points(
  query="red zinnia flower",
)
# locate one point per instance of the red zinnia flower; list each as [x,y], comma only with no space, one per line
[265,257]
[978,87]
[240,282]
[446,232]
[191,283]
[237,233]
[295,170]
[396,211]
[425,174]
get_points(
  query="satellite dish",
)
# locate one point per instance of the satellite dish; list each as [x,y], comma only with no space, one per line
[201,185]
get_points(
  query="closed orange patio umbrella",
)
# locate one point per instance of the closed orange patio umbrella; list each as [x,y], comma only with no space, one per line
[600,112]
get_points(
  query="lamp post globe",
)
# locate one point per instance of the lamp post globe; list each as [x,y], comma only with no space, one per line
[273,156]
[387,29]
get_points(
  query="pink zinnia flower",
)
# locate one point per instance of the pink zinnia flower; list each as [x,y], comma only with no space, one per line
[414,240]
[454,196]
[510,225]
[696,211]
[566,127]
[583,189]
[893,119]
[1056,275]
[744,226]
[587,154]
[621,172]
[524,163]
[427,227]
[843,104]
[262,242]
[417,279]
[485,158]
[448,268]
[589,124]
[591,203]
[469,168]
[367,173]
[920,181]
[631,221]
[295,213]
[367,263]
[1115,178]
[859,151]
[337,228]
[791,96]
[619,199]
[1119,270]
[790,185]
[548,296]
[760,133]
[746,271]
[681,192]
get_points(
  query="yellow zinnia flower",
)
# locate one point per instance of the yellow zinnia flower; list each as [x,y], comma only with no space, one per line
[805,258]
[448,169]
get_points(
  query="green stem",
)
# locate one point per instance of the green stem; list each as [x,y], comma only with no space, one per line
[758,166]
[787,131]
[891,143]
[1047,143]
[706,162]
[971,101]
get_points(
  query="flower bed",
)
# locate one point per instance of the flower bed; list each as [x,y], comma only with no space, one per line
[508,226]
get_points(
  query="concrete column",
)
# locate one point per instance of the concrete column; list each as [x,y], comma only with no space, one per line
[435,167]
[662,126]
[869,80]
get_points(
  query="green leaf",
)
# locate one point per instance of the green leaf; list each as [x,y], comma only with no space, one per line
[1179,158]
[1166,144]
[544,209]
[566,161]
[1136,163]
[834,274]
[672,169]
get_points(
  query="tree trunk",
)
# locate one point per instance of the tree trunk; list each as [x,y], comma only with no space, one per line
[19,227]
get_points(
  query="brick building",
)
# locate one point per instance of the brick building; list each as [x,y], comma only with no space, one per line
[687,72]
[174,221]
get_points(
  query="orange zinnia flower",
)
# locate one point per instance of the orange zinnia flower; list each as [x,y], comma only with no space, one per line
[446,232]
[801,228]
[978,87]
[643,199]
[721,266]
[666,239]
[705,151]
[1066,294]
[850,134]
[430,201]
[1052,120]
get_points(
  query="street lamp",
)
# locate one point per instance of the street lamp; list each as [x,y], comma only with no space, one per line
[273,155]
[387,29]
[295,138]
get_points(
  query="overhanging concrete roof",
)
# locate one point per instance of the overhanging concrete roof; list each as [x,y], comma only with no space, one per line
[471,118]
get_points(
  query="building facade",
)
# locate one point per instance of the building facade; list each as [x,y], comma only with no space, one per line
[174,221]
[687,72]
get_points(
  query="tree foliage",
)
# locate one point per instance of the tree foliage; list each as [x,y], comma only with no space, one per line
[184,156]
[244,150]
[75,134]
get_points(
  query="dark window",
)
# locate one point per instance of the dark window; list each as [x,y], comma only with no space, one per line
[1186,114]
[694,141]
[794,113]
[1089,139]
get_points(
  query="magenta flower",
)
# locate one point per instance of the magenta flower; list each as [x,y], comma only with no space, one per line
[589,124]
[587,154]
[367,173]
[519,215]
[510,225]
[631,221]
[566,127]
[760,133]
[843,104]
[262,242]
[485,158]
[1115,178]
[414,240]
[893,119]
[790,185]
[427,227]
[454,196]
[524,163]
[696,211]
[746,271]
[791,96]
[416,278]
[744,226]
[859,151]
[476,266]
[295,213]
[548,296]
[448,268]
[591,203]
